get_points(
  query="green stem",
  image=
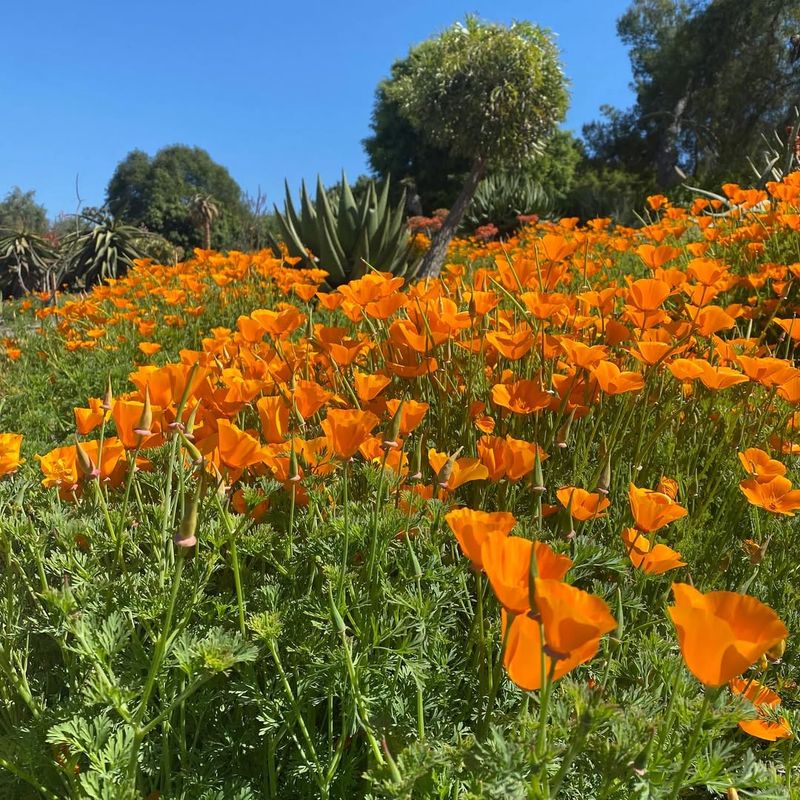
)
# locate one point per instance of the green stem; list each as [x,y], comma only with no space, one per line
[690,748]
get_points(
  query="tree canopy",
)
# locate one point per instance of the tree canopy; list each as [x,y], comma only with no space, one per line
[484,93]
[711,77]
[159,194]
[19,211]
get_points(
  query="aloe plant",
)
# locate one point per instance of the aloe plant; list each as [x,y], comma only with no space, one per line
[26,262]
[346,236]
[502,197]
[104,249]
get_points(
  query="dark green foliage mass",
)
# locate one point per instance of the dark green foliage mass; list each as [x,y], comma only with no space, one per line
[157,193]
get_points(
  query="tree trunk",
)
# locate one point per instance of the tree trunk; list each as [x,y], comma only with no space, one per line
[667,157]
[207,227]
[434,259]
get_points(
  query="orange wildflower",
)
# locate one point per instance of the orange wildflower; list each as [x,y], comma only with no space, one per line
[453,472]
[10,444]
[612,380]
[347,429]
[652,561]
[759,465]
[521,397]
[582,505]
[653,510]
[765,703]
[774,494]
[572,621]
[472,528]
[507,563]
[722,633]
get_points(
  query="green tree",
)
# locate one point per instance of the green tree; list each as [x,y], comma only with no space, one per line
[711,77]
[19,211]
[158,193]
[485,93]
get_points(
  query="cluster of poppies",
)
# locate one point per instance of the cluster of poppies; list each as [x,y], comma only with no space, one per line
[532,337]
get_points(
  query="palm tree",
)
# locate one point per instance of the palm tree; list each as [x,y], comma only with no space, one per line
[204,210]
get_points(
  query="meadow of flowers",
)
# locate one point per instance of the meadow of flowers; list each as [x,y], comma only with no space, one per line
[523,531]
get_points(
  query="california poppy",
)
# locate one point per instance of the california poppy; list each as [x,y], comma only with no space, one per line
[507,562]
[582,505]
[10,445]
[572,621]
[653,510]
[347,429]
[765,703]
[775,494]
[653,560]
[722,633]
[472,528]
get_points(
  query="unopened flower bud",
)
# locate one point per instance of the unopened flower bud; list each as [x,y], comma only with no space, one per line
[186,535]
[146,420]
[563,432]
[108,397]
[85,463]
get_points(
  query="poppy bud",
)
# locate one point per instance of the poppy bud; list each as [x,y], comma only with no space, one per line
[763,664]
[538,476]
[294,469]
[87,468]
[417,473]
[775,653]
[392,441]
[146,420]
[189,427]
[604,484]
[447,470]
[185,537]
[563,431]
[108,397]
[731,794]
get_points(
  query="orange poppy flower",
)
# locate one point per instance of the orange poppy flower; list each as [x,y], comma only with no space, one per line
[10,445]
[512,346]
[453,472]
[612,380]
[765,701]
[309,397]
[668,486]
[87,419]
[573,622]
[653,510]
[60,468]
[472,528]
[507,562]
[237,448]
[411,415]
[775,495]
[582,505]
[274,415]
[149,348]
[722,633]
[347,429]
[651,561]
[647,294]
[759,465]
[368,387]
[522,397]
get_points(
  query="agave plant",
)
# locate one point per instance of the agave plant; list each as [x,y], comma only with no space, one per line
[502,197]
[27,261]
[104,248]
[345,236]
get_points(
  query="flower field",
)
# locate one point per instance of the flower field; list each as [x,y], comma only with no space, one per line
[523,531]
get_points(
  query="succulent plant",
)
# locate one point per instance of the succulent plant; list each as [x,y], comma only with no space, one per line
[103,249]
[502,197]
[26,262]
[345,236]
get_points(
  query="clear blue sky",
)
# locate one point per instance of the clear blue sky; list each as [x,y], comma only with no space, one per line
[270,89]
